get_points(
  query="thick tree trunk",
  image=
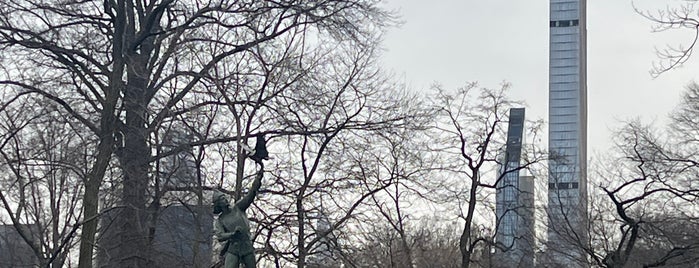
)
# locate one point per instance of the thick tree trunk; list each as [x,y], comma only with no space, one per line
[87,236]
[300,216]
[91,201]
[465,241]
[134,249]
[105,149]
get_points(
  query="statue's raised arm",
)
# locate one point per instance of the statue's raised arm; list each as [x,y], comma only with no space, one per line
[246,201]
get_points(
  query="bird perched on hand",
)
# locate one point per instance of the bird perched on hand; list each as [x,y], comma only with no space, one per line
[260,152]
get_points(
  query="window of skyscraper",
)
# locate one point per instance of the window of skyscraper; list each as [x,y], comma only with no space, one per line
[563,23]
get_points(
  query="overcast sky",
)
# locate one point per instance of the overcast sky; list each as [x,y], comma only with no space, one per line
[453,42]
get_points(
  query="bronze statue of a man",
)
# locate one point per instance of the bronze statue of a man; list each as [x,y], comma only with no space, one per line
[233,228]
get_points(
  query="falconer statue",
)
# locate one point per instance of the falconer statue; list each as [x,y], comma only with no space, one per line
[232,227]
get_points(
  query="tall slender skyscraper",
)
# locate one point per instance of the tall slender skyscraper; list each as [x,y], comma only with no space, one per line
[567,206]
[514,202]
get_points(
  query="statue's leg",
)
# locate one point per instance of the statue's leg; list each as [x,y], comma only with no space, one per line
[249,260]
[232,261]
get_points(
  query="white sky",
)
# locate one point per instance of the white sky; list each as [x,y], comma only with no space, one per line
[452,42]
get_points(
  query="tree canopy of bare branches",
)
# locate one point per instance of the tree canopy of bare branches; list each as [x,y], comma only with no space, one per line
[127,71]
[678,16]
[645,198]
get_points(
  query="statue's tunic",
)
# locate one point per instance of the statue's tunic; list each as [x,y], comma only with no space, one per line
[240,242]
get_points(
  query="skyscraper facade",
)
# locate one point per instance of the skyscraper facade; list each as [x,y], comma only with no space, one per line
[514,201]
[567,196]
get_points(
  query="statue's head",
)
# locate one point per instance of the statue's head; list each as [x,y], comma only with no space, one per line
[219,202]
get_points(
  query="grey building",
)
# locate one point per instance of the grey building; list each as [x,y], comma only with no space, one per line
[183,238]
[14,250]
[182,233]
[567,183]
[514,202]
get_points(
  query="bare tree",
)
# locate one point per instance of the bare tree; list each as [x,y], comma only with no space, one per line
[433,244]
[403,157]
[644,192]
[326,176]
[123,67]
[472,133]
[44,162]
[404,163]
[680,16]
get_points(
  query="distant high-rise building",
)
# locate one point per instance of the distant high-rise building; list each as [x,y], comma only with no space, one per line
[567,195]
[178,169]
[514,201]
[324,254]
